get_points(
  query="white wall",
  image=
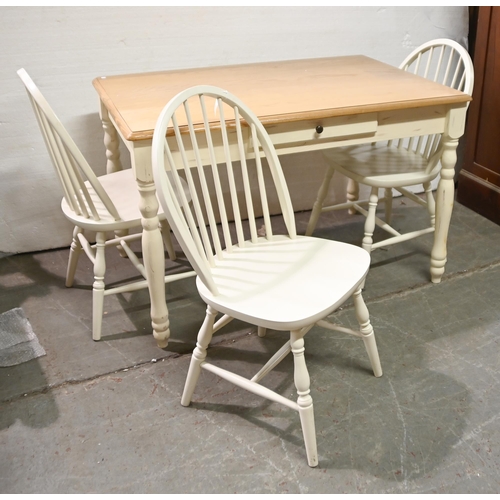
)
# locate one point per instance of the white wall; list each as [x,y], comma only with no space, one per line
[64,48]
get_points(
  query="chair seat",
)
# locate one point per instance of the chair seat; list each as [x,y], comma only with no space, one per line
[122,189]
[286,283]
[380,165]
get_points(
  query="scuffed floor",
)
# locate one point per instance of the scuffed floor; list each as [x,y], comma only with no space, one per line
[105,417]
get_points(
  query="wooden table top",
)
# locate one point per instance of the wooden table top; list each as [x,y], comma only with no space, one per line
[277,92]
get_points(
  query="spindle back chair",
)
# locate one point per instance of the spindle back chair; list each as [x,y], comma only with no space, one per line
[249,267]
[99,205]
[400,164]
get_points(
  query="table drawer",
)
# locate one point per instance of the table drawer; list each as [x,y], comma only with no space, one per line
[306,132]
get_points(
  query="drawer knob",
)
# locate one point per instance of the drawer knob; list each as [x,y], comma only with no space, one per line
[319,129]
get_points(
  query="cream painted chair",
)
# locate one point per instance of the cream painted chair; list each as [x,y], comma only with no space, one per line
[102,205]
[397,164]
[277,281]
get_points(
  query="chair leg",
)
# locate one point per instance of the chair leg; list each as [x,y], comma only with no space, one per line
[199,355]
[352,193]
[74,254]
[120,233]
[318,204]
[366,329]
[167,239]
[305,402]
[388,205]
[261,331]
[431,203]
[370,220]
[98,287]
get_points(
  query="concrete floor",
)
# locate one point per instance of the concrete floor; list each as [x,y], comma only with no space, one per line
[105,417]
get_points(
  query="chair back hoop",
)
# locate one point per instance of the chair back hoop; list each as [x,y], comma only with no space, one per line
[443,61]
[83,192]
[213,141]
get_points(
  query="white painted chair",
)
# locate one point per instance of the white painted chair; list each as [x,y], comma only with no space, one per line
[100,205]
[401,163]
[279,281]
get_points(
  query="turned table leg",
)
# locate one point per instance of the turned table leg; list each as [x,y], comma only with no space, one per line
[445,194]
[444,206]
[152,242]
[111,141]
[113,163]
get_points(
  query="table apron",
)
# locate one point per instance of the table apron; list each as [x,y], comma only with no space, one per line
[302,136]
[360,129]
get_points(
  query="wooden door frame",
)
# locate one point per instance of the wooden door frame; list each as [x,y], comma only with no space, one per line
[474,191]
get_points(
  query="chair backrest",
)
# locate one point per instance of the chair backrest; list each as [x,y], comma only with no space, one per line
[83,192]
[217,144]
[443,61]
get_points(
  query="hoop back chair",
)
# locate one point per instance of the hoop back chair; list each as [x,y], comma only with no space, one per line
[276,280]
[401,163]
[101,205]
